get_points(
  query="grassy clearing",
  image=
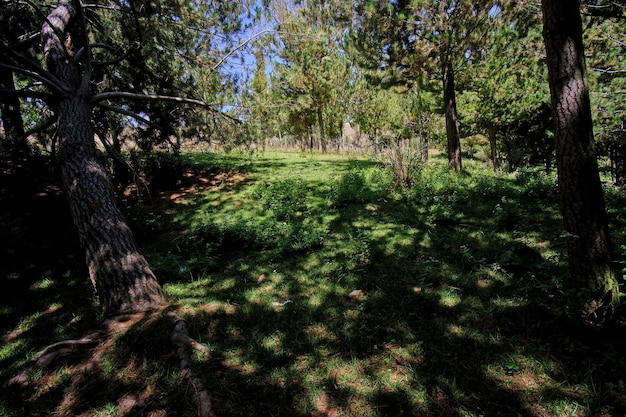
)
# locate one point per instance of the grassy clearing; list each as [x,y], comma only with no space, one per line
[323,290]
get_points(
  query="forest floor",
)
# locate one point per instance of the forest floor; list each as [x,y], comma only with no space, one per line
[319,288]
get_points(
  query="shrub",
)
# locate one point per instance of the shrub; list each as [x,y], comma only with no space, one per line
[404,162]
[286,199]
[361,186]
[537,184]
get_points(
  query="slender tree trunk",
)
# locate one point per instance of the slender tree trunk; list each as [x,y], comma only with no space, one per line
[320,124]
[509,152]
[423,137]
[491,134]
[452,118]
[619,160]
[423,147]
[121,276]
[11,116]
[592,280]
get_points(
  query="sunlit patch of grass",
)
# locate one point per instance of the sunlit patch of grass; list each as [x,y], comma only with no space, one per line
[318,332]
[11,347]
[42,284]
[449,297]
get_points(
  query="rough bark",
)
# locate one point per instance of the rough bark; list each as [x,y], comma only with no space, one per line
[452,118]
[592,280]
[120,274]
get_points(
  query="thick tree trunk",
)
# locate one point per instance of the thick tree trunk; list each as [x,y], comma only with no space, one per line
[121,276]
[11,114]
[452,118]
[592,280]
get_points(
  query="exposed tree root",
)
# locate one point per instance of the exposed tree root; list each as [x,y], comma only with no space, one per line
[101,341]
[52,352]
[180,337]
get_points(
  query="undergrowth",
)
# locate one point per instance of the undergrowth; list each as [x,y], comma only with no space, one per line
[323,286]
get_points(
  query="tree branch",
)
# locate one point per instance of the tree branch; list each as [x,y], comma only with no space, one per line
[613,10]
[129,113]
[36,72]
[180,337]
[112,95]
[41,126]
[84,84]
[609,71]
[238,47]
[27,94]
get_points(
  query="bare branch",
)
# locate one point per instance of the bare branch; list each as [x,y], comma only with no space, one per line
[41,126]
[27,94]
[112,95]
[49,354]
[609,71]
[136,22]
[128,113]
[614,9]
[37,71]
[84,85]
[241,45]
[180,337]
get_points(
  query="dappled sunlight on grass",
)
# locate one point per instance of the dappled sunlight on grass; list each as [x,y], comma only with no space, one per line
[320,291]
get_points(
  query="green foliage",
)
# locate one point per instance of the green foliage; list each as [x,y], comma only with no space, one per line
[311,74]
[286,199]
[506,93]
[362,186]
[452,297]
[284,222]
[537,184]
[606,60]
[403,161]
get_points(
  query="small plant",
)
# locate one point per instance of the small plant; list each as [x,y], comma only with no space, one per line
[537,184]
[403,161]
[361,186]
[286,199]
[108,410]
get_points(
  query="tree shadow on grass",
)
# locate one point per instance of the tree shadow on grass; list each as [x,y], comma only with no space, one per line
[45,294]
[458,315]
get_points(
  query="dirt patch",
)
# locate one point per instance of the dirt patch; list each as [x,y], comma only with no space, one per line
[189,184]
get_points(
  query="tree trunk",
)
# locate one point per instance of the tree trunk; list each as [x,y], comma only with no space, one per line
[619,163]
[121,276]
[592,280]
[320,124]
[452,118]
[495,158]
[11,116]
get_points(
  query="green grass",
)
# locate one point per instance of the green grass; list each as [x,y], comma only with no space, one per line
[459,312]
